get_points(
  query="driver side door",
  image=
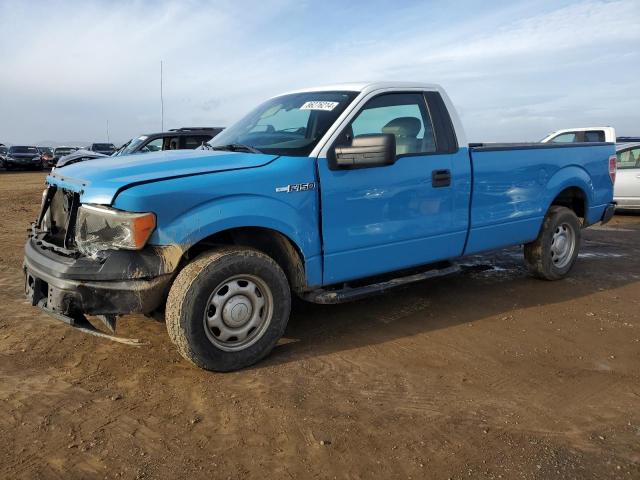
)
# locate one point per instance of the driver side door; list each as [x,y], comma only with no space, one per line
[383,218]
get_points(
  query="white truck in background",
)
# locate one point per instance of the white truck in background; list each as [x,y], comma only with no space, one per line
[582,134]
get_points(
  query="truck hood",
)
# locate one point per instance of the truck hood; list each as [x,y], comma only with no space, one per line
[100,180]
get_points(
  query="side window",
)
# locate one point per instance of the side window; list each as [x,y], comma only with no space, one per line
[152,146]
[565,138]
[171,143]
[194,141]
[629,158]
[404,115]
[594,136]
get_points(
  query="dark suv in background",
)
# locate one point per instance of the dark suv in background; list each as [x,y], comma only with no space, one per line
[187,138]
[24,157]
[3,154]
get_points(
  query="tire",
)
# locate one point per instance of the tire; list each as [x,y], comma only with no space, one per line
[552,255]
[203,303]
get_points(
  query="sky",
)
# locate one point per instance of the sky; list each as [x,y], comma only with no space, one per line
[515,70]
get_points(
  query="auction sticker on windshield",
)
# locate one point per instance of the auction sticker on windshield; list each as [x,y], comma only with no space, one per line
[319,105]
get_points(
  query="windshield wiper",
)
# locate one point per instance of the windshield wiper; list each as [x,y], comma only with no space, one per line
[236,147]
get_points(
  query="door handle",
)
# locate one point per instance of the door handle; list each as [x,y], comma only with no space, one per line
[440,178]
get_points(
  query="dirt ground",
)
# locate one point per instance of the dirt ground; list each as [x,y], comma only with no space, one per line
[486,374]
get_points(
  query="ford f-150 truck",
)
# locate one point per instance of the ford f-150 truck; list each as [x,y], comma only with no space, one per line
[328,193]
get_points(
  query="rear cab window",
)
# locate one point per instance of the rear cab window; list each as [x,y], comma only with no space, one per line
[594,136]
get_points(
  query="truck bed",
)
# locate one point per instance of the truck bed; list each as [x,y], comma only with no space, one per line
[486,147]
[513,185]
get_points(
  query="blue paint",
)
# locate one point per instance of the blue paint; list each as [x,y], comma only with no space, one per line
[388,218]
[513,189]
[357,222]
[103,178]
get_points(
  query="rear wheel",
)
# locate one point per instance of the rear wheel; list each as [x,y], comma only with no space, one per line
[227,309]
[552,255]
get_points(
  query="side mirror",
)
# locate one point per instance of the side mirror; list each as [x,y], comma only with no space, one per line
[368,151]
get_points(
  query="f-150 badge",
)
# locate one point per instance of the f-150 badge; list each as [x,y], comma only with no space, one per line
[296,187]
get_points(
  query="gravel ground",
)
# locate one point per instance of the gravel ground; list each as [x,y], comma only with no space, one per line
[486,374]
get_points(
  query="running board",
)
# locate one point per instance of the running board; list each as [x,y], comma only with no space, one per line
[81,323]
[348,294]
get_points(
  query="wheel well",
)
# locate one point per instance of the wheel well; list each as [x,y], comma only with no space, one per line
[270,242]
[574,199]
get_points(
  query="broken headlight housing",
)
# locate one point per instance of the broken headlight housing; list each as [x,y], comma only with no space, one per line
[101,228]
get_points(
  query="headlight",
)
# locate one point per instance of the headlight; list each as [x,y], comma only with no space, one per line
[103,228]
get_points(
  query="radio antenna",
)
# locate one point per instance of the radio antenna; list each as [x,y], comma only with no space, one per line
[161,101]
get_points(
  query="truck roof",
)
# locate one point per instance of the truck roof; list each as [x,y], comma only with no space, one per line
[367,87]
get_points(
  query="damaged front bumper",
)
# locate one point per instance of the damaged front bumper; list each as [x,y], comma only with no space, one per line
[120,282]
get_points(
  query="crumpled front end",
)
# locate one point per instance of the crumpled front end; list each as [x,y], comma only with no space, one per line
[62,281]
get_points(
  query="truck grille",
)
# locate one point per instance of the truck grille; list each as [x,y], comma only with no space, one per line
[58,216]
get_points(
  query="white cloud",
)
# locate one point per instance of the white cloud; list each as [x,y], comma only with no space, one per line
[515,72]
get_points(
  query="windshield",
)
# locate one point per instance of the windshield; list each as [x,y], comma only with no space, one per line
[33,150]
[64,151]
[133,145]
[287,125]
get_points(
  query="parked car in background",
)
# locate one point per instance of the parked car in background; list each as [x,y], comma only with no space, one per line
[330,194]
[78,156]
[46,156]
[626,191]
[60,152]
[3,154]
[582,134]
[187,138]
[103,148]
[627,139]
[23,157]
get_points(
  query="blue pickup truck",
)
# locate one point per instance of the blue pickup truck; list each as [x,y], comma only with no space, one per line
[329,193]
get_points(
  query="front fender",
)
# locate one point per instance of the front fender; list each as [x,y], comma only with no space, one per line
[237,211]
[192,208]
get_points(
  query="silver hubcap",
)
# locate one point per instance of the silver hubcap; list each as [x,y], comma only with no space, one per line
[563,245]
[238,312]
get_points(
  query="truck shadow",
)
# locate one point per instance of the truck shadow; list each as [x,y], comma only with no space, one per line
[489,286]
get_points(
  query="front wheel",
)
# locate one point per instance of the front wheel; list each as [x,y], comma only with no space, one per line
[228,308]
[552,255]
